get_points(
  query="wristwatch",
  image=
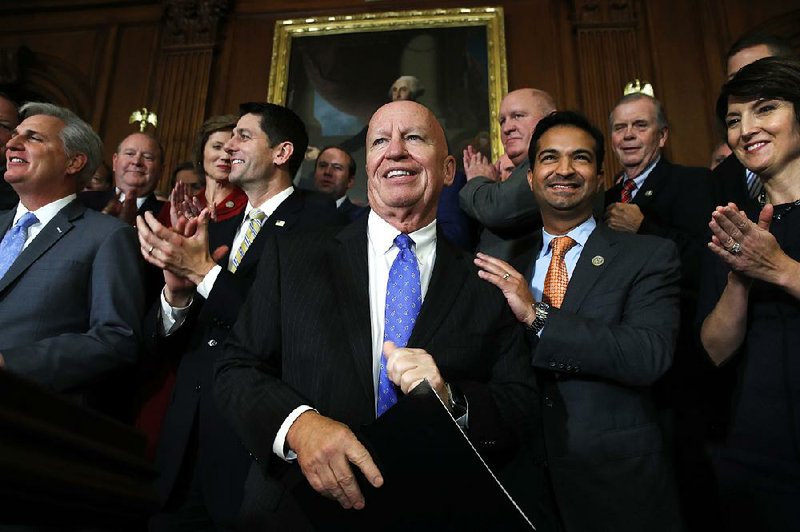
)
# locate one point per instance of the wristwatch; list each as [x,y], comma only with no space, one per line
[541,311]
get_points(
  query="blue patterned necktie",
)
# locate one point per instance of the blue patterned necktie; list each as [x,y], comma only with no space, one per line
[403,301]
[12,243]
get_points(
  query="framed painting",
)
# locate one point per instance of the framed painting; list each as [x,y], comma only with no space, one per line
[336,71]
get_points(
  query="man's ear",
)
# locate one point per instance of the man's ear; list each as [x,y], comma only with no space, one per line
[283,152]
[449,170]
[530,178]
[663,140]
[75,164]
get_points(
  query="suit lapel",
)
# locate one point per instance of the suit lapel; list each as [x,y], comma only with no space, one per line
[595,258]
[449,273]
[5,221]
[284,217]
[59,226]
[349,269]
[654,183]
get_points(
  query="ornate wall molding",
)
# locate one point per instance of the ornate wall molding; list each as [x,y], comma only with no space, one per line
[192,22]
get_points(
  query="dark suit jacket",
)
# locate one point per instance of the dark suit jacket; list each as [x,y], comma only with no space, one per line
[351,210]
[98,199]
[71,304]
[676,202]
[596,358]
[729,183]
[222,462]
[304,337]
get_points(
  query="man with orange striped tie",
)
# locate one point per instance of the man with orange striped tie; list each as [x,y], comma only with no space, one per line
[601,309]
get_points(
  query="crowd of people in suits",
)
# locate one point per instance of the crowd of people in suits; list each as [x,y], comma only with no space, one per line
[621,358]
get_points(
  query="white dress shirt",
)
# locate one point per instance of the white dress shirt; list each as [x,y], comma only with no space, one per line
[44,214]
[381,253]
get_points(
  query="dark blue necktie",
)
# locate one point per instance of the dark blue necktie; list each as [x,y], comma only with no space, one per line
[12,243]
[403,301]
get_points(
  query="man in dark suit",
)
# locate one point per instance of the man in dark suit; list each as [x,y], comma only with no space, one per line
[655,197]
[70,296]
[138,165]
[335,174]
[601,308]
[202,465]
[306,363]
[505,208]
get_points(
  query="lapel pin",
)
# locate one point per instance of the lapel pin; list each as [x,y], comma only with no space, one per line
[648,193]
[598,260]
[280,223]
[58,229]
[229,204]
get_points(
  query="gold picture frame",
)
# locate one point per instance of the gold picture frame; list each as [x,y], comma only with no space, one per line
[367,40]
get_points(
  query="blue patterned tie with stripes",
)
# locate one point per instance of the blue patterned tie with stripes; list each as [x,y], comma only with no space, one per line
[14,240]
[256,218]
[403,301]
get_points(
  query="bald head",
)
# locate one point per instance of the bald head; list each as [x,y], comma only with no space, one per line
[520,111]
[407,164]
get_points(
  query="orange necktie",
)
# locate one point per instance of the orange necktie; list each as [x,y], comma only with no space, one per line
[557,278]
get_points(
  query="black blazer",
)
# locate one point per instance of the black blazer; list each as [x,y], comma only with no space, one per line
[676,202]
[729,182]
[595,361]
[221,461]
[304,337]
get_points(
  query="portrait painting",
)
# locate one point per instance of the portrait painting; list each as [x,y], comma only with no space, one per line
[336,71]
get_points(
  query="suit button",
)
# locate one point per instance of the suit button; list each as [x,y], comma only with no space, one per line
[561,366]
[569,368]
[197,388]
[212,342]
[548,402]
[552,363]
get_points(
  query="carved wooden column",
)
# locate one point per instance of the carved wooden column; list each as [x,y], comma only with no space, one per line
[189,35]
[611,51]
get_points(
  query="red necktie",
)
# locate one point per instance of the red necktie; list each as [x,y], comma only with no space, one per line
[557,278]
[627,190]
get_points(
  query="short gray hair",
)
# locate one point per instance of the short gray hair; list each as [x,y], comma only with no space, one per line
[77,136]
[661,118]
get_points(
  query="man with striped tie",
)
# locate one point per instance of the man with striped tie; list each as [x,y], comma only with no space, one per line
[208,275]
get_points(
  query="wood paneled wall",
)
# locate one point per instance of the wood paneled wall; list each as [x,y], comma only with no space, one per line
[190,59]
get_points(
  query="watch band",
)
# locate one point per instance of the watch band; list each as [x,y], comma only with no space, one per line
[541,311]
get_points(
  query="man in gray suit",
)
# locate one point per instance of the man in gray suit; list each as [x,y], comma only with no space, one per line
[601,308]
[506,208]
[70,279]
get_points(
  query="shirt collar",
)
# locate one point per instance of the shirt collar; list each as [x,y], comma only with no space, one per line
[382,236]
[579,234]
[269,206]
[45,213]
[639,179]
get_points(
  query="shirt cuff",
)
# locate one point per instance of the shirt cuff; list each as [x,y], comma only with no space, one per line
[207,284]
[172,317]
[279,443]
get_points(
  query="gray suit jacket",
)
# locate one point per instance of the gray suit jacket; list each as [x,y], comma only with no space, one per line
[72,302]
[507,210]
[596,359]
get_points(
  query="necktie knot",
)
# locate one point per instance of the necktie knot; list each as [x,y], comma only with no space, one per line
[257,214]
[561,245]
[27,220]
[14,240]
[403,241]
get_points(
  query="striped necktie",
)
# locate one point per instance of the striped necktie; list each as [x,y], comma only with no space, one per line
[627,191]
[256,218]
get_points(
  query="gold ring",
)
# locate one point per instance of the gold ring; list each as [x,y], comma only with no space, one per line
[506,276]
[150,251]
